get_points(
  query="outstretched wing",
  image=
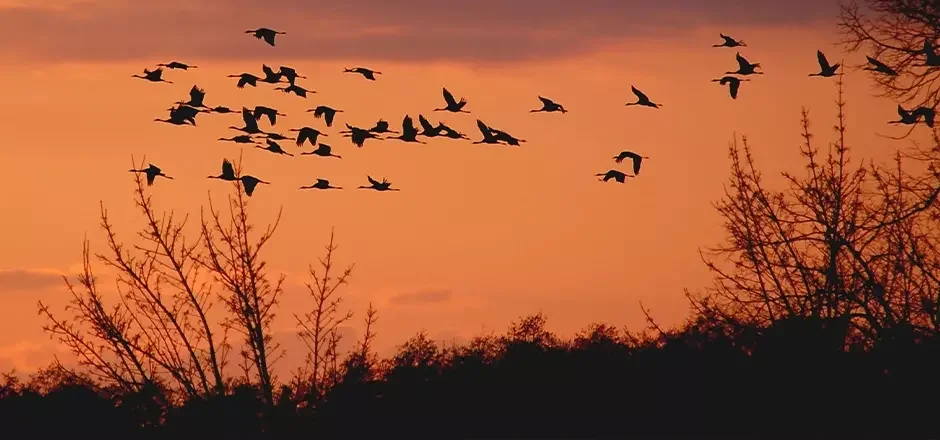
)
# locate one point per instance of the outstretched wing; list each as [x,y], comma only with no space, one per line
[733,88]
[425,124]
[449,98]
[407,123]
[196,94]
[302,135]
[639,94]
[902,112]
[318,112]
[483,128]
[373,181]
[323,182]
[227,168]
[248,117]
[268,71]
[742,62]
[547,102]
[823,62]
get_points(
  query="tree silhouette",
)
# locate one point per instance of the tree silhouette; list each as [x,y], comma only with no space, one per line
[842,245]
[232,256]
[319,326]
[894,32]
[160,328]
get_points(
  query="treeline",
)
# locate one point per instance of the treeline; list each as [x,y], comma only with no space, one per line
[792,380]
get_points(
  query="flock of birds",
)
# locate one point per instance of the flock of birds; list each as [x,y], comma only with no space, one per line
[185,112]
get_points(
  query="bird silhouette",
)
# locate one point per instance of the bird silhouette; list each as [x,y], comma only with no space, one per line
[197,97]
[274,147]
[367,73]
[729,42]
[489,137]
[825,69]
[240,139]
[251,123]
[277,137]
[930,55]
[636,158]
[270,76]
[307,134]
[177,65]
[734,83]
[613,174]
[878,66]
[506,137]
[178,118]
[152,171]
[321,184]
[911,117]
[295,89]
[359,136]
[745,67]
[384,185]
[549,106]
[450,132]
[269,112]
[426,128]
[155,75]
[408,131]
[265,34]
[186,112]
[250,182]
[220,109]
[290,74]
[322,150]
[381,126]
[907,117]
[327,113]
[228,172]
[245,79]
[642,99]
[452,104]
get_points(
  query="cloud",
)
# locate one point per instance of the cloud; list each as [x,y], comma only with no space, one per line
[19,280]
[421,297]
[27,356]
[376,30]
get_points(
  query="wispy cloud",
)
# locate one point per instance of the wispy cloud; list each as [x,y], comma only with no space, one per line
[21,280]
[421,297]
[377,30]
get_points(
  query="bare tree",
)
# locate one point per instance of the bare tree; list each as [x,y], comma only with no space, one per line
[319,326]
[365,348]
[894,32]
[160,328]
[843,241]
[233,258]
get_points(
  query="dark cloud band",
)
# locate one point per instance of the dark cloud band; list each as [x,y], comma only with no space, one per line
[377,30]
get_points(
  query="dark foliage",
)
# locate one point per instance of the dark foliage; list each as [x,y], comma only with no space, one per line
[788,380]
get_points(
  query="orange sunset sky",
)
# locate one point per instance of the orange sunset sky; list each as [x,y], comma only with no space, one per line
[479,235]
